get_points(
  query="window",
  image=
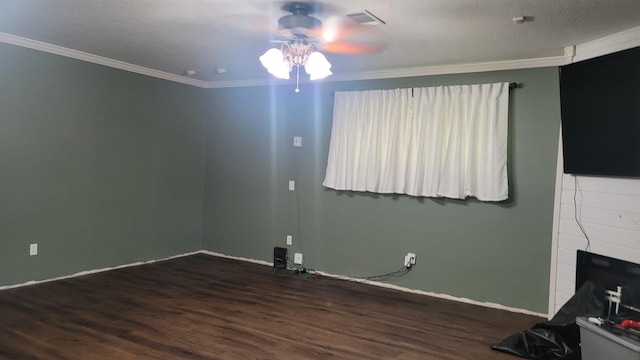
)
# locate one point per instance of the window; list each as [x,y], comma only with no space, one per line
[445,141]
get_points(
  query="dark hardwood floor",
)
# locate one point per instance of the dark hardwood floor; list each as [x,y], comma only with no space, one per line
[204,307]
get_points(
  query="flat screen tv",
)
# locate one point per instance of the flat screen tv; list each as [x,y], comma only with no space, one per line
[600,108]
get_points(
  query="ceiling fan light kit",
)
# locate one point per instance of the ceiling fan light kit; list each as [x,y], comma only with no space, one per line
[280,62]
[298,50]
[305,34]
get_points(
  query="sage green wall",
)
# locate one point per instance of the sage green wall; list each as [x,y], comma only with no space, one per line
[103,167]
[495,252]
[100,167]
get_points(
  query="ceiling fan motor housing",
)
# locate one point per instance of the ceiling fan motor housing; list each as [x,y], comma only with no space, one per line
[298,21]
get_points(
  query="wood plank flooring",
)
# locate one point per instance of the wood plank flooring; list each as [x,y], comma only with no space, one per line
[204,307]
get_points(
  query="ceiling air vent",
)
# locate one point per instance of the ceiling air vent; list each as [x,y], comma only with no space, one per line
[366,17]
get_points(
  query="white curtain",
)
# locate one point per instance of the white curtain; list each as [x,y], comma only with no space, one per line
[446,141]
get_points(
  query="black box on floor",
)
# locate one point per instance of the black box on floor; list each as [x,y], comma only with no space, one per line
[279,258]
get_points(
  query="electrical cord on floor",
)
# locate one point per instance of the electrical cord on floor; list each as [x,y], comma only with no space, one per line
[394,275]
[301,271]
[305,273]
[279,267]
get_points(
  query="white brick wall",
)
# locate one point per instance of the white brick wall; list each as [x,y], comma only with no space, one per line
[609,210]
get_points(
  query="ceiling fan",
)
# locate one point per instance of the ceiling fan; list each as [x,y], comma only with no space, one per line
[303,36]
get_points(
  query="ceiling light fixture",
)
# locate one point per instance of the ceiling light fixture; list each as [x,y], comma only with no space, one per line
[295,53]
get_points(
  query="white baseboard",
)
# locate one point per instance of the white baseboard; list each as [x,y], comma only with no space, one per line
[82,273]
[396,287]
[266,263]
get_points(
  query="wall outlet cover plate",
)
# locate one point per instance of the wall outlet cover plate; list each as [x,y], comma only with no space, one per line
[33,249]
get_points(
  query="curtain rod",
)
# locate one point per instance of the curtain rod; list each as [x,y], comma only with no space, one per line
[512,85]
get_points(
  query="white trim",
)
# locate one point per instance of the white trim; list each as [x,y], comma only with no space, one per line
[366,75]
[456,69]
[95,59]
[82,273]
[437,295]
[555,235]
[418,71]
[266,263]
[260,262]
[395,287]
[620,41]
[252,82]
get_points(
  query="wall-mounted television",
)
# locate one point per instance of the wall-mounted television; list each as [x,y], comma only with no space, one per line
[600,108]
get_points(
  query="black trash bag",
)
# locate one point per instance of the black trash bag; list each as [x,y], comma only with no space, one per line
[558,338]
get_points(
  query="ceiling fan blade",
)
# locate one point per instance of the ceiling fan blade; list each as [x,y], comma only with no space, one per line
[347,36]
[332,34]
[348,48]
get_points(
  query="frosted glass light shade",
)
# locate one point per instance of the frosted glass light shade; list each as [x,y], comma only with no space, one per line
[317,66]
[273,61]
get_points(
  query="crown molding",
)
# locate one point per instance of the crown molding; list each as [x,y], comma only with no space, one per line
[95,59]
[419,71]
[456,69]
[616,42]
[246,83]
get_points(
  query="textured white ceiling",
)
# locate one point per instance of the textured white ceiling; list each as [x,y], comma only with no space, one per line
[176,35]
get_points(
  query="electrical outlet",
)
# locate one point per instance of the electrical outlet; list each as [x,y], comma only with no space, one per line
[289,239]
[409,260]
[33,249]
[297,258]
[297,141]
[292,185]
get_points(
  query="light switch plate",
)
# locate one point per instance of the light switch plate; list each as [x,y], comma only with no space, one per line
[297,141]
